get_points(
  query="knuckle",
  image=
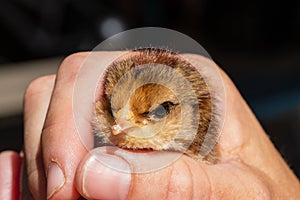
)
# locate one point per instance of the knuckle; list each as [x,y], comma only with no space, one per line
[68,70]
[71,61]
[38,85]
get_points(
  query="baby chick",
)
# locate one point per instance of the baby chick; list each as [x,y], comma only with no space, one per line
[154,99]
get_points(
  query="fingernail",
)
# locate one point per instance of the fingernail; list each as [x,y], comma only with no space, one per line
[106,176]
[55,179]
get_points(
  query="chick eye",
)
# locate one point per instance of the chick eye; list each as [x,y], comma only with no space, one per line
[160,111]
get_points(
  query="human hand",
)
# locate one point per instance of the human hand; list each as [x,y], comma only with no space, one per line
[60,167]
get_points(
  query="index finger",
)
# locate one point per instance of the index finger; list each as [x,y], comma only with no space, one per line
[62,146]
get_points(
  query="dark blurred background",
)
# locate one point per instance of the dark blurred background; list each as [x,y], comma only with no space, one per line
[256,42]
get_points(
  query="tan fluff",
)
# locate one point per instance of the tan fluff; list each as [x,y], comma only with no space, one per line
[154,99]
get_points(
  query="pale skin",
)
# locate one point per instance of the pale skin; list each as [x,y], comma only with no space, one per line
[250,167]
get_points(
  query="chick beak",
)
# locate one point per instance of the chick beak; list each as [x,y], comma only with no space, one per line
[122,126]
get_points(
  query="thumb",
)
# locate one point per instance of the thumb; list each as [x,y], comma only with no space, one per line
[113,173]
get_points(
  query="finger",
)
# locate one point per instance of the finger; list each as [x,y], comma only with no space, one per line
[36,102]
[98,178]
[59,137]
[63,147]
[10,165]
